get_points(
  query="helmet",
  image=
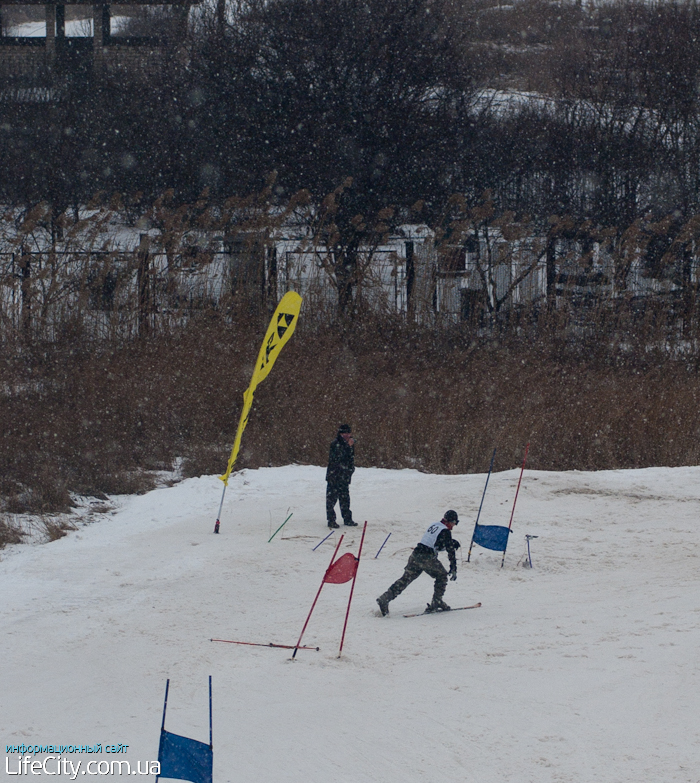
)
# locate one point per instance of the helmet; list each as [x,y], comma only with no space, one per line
[451,516]
[344,428]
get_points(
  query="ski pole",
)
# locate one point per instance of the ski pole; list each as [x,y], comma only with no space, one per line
[527,538]
[503,559]
[279,528]
[325,539]
[483,495]
[382,546]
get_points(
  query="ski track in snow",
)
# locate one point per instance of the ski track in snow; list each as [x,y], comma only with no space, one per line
[581,669]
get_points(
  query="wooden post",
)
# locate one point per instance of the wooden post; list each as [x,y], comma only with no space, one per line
[25,266]
[60,21]
[410,279]
[551,271]
[143,285]
[106,25]
[271,292]
[98,34]
[50,32]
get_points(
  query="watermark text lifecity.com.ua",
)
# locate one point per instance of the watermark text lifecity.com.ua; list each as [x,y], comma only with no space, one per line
[60,765]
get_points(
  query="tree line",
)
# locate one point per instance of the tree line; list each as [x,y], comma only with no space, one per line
[356,117]
[557,109]
[579,123]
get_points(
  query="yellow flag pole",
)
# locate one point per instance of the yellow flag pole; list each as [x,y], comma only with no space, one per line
[281,328]
[221,505]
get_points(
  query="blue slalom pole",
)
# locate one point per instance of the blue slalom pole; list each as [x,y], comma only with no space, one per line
[382,546]
[162,725]
[211,740]
[325,539]
[165,703]
[488,476]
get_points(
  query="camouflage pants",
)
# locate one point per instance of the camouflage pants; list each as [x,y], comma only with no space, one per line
[417,564]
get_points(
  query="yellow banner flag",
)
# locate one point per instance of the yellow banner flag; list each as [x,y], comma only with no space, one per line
[281,328]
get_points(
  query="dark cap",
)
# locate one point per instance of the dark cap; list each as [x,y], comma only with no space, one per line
[344,428]
[451,516]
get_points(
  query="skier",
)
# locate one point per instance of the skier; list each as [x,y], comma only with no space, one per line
[437,538]
[341,466]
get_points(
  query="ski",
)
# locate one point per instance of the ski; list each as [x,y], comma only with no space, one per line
[454,609]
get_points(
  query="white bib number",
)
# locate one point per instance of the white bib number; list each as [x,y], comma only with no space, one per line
[431,535]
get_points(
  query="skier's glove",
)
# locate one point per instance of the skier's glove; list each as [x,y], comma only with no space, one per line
[452,574]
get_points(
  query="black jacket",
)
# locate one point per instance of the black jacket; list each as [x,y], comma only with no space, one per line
[341,462]
[445,543]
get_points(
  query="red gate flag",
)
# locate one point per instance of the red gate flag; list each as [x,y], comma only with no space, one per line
[343,570]
[339,571]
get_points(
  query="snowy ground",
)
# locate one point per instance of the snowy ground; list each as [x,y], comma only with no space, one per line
[584,668]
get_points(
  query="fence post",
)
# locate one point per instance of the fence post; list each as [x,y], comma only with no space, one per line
[25,266]
[410,279]
[270,294]
[143,285]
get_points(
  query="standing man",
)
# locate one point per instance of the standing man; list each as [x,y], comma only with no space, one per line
[437,538]
[341,466]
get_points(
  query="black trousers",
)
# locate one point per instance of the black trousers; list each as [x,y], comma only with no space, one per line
[338,493]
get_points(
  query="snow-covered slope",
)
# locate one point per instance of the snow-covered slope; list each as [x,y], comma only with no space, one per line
[584,668]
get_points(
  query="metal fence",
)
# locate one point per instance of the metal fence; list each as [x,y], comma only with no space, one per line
[111,293]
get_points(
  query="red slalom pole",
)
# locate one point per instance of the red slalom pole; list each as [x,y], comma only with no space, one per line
[269,644]
[516,498]
[323,582]
[357,565]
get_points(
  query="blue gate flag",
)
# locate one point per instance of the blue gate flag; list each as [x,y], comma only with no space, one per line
[491,537]
[184,758]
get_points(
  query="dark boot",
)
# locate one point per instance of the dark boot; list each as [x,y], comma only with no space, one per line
[383,602]
[333,524]
[437,605]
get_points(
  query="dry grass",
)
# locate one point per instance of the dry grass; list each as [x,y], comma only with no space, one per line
[54,529]
[96,421]
[10,533]
[443,407]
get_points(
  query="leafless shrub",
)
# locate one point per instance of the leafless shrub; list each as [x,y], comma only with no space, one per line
[55,528]
[204,459]
[47,494]
[436,401]
[10,533]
